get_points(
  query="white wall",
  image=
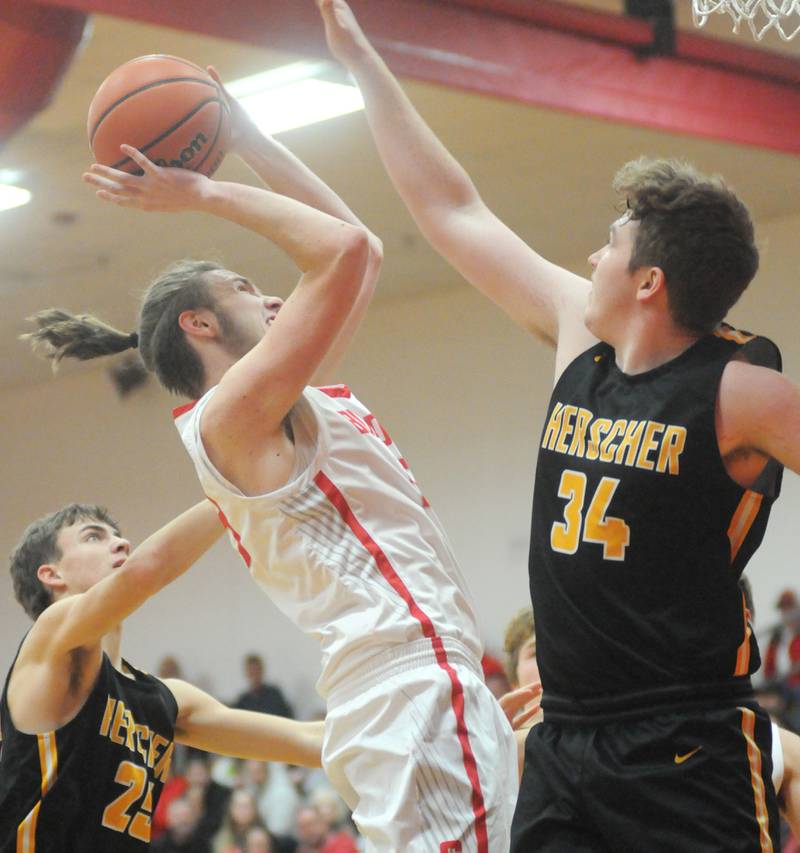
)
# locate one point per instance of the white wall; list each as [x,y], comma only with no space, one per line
[457,385]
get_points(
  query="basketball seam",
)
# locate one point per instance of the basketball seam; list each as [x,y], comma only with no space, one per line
[144,89]
[168,131]
[211,147]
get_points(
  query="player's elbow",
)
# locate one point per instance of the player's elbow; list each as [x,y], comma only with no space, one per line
[375,250]
[353,255]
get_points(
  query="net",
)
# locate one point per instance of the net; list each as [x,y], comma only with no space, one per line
[761,16]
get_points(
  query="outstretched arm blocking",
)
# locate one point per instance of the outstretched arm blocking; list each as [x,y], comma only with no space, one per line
[83,620]
[207,724]
[540,296]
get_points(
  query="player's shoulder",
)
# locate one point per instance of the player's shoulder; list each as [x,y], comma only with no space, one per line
[750,347]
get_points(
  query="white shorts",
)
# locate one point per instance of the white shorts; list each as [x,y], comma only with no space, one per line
[422,753]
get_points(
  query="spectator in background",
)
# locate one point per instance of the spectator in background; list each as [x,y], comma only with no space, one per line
[242,815]
[495,676]
[261,696]
[334,812]
[782,657]
[258,840]
[195,785]
[181,836]
[314,834]
[276,798]
[168,667]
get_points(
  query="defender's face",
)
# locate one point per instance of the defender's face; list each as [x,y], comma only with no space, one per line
[527,666]
[90,551]
[246,314]
[613,288]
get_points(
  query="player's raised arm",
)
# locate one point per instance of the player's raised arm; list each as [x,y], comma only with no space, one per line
[82,620]
[285,174]
[205,723]
[538,295]
[260,389]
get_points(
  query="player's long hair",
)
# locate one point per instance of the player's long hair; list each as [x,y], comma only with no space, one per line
[162,344]
[696,229]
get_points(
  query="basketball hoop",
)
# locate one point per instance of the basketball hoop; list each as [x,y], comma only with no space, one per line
[761,16]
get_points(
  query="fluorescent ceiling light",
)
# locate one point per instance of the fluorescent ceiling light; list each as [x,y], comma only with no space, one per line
[11,196]
[295,95]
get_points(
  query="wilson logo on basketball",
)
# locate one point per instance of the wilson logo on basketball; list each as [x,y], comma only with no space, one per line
[186,154]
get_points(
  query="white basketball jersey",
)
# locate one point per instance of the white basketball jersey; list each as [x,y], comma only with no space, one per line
[349,549]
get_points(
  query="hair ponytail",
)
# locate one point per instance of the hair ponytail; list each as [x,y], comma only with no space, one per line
[64,335]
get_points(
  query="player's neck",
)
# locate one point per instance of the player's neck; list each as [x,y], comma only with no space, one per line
[216,363]
[649,345]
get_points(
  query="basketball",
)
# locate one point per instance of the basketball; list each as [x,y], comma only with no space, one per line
[172,110]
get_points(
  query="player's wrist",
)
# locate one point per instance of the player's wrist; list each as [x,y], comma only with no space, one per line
[210,196]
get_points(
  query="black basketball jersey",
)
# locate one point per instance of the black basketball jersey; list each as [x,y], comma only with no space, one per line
[93,784]
[639,535]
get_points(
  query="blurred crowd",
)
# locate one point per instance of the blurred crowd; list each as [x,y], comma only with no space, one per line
[212,804]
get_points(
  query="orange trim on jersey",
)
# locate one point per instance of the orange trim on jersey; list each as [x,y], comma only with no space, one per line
[48,760]
[26,831]
[754,759]
[728,333]
[743,652]
[746,513]
[182,410]
[48,767]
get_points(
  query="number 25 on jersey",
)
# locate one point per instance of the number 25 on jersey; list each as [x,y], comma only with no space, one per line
[596,528]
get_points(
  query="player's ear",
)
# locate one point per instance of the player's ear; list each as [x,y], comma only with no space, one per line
[652,282]
[49,575]
[199,323]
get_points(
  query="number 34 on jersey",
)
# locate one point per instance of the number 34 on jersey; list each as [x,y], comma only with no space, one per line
[586,519]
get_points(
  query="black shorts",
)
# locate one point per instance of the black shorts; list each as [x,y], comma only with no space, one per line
[690,781]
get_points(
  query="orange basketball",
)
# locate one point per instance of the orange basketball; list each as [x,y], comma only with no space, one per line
[170,109]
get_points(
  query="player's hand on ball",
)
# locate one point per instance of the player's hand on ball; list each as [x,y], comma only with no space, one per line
[158,188]
[243,128]
[522,705]
[346,39]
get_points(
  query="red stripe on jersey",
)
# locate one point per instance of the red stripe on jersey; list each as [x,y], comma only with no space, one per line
[335,390]
[238,539]
[182,410]
[457,691]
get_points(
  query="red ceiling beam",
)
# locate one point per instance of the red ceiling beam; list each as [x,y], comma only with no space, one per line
[536,52]
[36,47]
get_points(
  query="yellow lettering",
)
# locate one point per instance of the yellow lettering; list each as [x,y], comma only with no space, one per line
[553,426]
[107,716]
[606,448]
[630,443]
[578,446]
[648,444]
[142,735]
[566,428]
[129,728]
[119,722]
[157,743]
[671,448]
[596,431]
[162,767]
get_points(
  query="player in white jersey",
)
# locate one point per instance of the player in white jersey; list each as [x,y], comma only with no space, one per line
[320,503]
